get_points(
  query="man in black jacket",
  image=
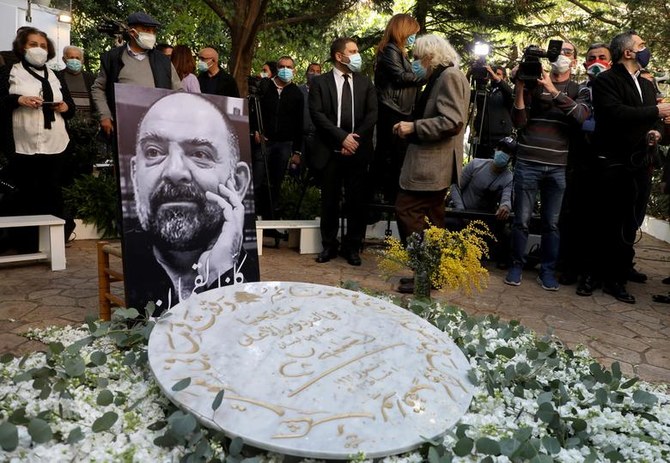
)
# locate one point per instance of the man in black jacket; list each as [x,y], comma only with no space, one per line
[136,63]
[212,78]
[493,121]
[279,140]
[343,147]
[628,123]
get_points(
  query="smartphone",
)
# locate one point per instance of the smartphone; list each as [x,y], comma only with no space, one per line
[51,103]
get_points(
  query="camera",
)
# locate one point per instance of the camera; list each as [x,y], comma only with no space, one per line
[112,28]
[479,73]
[530,67]
[507,145]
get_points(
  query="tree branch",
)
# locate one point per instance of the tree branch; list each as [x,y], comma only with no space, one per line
[216,8]
[598,16]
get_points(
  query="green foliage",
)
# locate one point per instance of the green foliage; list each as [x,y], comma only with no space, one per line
[299,199]
[94,199]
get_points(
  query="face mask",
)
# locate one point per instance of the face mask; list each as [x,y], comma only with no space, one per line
[561,65]
[410,40]
[596,67]
[36,56]
[500,158]
[202,66]
[285,74]
[355,62]
[311,76]
[643,56]
[264,75]
[146,40]
[419,69]
[73,65]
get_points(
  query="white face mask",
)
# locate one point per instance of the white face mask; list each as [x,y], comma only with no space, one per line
[36,56]
[146,40]
[561,65]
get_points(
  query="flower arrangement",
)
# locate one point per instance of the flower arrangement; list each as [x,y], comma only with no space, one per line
[91,398]
[450,259]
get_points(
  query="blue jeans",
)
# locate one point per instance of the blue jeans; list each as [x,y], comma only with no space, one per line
[529,177]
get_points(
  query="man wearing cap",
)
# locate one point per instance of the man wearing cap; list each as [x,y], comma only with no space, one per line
[136,63]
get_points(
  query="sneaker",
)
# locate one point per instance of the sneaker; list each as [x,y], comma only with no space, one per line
[513,276]
[548,282]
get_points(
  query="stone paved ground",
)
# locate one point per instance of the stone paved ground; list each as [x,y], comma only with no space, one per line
[637,336]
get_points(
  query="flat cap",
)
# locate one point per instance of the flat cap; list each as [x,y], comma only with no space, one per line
[142,19]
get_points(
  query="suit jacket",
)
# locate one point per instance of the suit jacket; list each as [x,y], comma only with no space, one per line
[436,151]
[324,111]
[622,118]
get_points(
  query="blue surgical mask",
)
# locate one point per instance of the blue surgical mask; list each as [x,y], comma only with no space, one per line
[643,56]
[73,65]
[410,40]
[355,62]
[500,158]
[285,74]
[203,66]
[419,69]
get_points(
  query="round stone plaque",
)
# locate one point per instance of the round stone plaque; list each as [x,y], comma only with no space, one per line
[310,370]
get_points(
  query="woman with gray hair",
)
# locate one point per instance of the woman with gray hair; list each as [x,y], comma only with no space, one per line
[435,153]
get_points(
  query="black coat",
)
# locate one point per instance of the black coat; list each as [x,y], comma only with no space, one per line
[622,118]
[397,86]
[221,83]
[324,111]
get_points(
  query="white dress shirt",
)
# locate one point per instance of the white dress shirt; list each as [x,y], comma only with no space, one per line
[339,82]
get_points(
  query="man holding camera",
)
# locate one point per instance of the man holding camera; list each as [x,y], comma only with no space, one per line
[494,103]
[546,111]
[629,124]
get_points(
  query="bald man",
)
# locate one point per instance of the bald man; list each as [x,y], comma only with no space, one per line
[213,79]
[189,185]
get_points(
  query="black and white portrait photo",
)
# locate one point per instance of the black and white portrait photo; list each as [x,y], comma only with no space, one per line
[188,212]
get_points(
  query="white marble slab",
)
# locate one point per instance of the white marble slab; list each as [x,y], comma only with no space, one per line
[311,370]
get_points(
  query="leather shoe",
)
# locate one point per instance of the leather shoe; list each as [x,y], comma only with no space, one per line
[406,280]
[636,277]
[325,255]
[406,287]
[619,292]
[586,286]
[353,258]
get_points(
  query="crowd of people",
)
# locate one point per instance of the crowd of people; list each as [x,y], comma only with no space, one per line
[397,139]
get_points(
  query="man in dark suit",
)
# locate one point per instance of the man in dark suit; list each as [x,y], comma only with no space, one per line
[343,106]
[629,122]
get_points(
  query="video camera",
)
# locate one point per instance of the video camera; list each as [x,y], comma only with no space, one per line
[530,67]
[112,28]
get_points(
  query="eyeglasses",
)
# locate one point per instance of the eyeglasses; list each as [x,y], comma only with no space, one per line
[567,51]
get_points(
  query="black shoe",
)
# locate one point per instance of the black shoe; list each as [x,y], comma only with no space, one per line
[619,292]
[406,280]
[666,281]
[636,277]
[567,279]
[353,258]
[327,254]
[586,286]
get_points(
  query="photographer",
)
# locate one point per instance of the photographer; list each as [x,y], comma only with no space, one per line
[494,100]
[546,114]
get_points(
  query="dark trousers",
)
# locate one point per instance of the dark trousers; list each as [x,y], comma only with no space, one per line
[621,197]
[389,154]
[38,179]
[413,207]
[348,173]
[269,169]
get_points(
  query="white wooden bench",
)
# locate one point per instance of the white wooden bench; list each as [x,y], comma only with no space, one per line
[51,239]
[302,234]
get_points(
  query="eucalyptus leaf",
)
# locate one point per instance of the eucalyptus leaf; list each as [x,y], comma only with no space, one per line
[218,400]
[433,456]
[545,397]
[601,396]
[523,434]
[75,436]
[39,431]
[463,447]
[125,314]
[508,446]
[9,436]
[551,445]
[183,424]
[579,425]
[74,366]
[629,383]
[235,448]
[505,352]
[105,397]
[614,455]
[105,422]
[181,384]
[56,347]
[18,416]
[487,446]
[98,358]
[6,357]
[644,397]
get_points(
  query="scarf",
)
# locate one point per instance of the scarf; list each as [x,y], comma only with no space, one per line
[47,93]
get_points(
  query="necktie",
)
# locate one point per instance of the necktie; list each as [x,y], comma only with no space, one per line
[345,107]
